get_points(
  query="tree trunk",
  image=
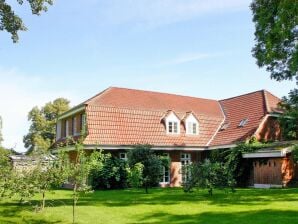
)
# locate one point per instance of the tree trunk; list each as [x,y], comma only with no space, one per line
[146,188]
[74,202]
[210,191]
[43,201]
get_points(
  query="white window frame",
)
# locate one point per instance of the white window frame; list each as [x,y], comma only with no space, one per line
[190,121]
[172,119]
[125,156]
[164,171]
[185,159]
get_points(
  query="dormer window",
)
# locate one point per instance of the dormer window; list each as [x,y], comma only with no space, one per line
[243,122]
[191,128]
[172,127]
[172,123]
[191,124]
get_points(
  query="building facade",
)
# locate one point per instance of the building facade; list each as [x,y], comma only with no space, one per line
[182,127]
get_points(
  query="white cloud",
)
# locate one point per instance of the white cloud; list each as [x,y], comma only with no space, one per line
[189,57]
[160,12]
[18,94]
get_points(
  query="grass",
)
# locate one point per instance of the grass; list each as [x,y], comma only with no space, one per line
[161,206]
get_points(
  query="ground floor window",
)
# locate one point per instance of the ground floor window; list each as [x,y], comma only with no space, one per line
[123,156]
[165,179]
[166,176]
[185,159]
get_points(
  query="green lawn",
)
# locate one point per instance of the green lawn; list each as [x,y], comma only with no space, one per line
[162,206]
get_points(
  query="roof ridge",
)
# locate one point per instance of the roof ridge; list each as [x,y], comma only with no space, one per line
[164,93]
[98,94]
[245,94]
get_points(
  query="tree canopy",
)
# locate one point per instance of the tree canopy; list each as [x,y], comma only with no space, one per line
[289,120]
[151,164]
[276,36]
[12,23]
[43,124]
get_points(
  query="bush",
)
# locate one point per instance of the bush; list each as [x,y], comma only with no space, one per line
[152,164]
[109,172]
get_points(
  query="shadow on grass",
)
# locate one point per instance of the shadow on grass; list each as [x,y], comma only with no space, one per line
[14,210]
[247,197]
[170,196]
[252,217]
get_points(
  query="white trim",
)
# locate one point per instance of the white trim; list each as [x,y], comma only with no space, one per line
[72,112]
[222,146]
[267,186]
[224,119]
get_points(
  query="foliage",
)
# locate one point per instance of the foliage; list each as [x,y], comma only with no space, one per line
[276,36]
[289,119]
[153,166]
[108,172]
[12,23]
[295,153]
[135,175]
[208,175]
[49,174]
[43,125]
[5,174]
[78,172]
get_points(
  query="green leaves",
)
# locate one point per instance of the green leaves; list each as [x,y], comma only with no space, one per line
[153,165]
[42,130]
[12,23]
[276,36]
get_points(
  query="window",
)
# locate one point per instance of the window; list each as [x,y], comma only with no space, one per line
[166,172]
[66,128]
[191,128]
[74,125]
[166,176]
[243,122]
[83,122]
[185,159]
[123,156]
[172,127]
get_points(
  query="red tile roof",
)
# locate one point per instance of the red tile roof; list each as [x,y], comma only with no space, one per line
[252,106]
[119,116]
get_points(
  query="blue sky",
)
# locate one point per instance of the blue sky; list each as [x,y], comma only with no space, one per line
[78,48]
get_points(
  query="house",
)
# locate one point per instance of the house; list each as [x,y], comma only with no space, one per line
[182,127]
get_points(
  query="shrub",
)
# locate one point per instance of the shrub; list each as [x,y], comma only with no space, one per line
[109,172]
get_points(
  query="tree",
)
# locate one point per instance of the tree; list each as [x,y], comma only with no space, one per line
[49,173]
[289,119]
[208,175]
[78,173]
[276,36]
[108,172]
[1,137]
[152,164]
[135,175]
[5,174]
[12,23]
[43,125]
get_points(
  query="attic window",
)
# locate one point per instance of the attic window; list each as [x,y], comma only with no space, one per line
[172,127]
[224,126]
[192,128]
[243,122]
